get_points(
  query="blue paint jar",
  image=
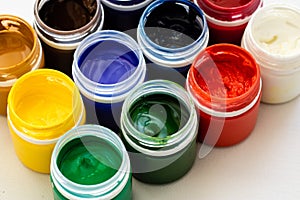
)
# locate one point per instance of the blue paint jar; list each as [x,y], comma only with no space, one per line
[107,65]
[123,15]
[171,33]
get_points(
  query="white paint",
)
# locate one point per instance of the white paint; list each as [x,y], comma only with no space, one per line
[278,31]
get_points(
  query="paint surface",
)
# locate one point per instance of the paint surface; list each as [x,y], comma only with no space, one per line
[224,73]
[230,3]
[108,62]
[278,32]
[89,160]
[14,48]
[66,15]
[158,115]
[173,25]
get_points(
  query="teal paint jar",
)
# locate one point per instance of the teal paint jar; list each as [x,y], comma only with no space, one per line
[90,162]
[159,126]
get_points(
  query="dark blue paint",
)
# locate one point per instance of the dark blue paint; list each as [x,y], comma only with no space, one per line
[106,62]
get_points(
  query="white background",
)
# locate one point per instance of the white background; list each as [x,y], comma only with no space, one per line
[265,166]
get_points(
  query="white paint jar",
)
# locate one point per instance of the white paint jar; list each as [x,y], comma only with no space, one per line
[273,37]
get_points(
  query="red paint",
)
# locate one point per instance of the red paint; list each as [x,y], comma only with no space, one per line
[229,3]
[227,19]
[225,79]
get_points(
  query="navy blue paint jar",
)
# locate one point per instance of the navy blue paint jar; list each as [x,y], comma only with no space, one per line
[107,65]
[123,15]
[171,33]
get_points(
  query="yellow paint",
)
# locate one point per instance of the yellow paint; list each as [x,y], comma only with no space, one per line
[43,105]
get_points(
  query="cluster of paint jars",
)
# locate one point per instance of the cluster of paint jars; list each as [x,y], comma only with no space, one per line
[128,88]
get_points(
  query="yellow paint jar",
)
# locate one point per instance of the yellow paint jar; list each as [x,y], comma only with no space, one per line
[42,106]
[20,52]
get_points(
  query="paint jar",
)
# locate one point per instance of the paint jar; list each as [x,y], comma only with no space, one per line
[159,127]
[61,25]
[227,19]
[123,15]
[42,105]
[171,33]
[107,65]
[273,38]
[20,52]
[90,162]
[225,84]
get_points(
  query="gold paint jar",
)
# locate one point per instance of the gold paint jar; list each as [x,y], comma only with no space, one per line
[20,52]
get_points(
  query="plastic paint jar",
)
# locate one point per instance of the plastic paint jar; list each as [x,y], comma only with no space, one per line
[91,162]
[123,15]
[42,106]
[227,19]
[159,126]
[171,33]
[107,65]
[273,38]
[224,82]
[20,52]
[61,25]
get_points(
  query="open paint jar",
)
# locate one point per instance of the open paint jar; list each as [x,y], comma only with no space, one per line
[42,105]
[159,126]
[227,19]
[61,25]
[20,52]
[170,34]
[225,84]
[107,65]
[273,38]
[123,15]
[90,162]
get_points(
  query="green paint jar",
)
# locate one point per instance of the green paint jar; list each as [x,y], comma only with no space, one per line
[159,126]
[90,162]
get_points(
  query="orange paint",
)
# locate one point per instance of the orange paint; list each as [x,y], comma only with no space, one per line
[224,81]
[20,52]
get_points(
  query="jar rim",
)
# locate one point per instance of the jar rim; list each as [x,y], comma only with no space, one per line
[174,142]
[70,32]
[249,31]
[120,177]
[229,13]
[154,5]
[68,85]
[224,104]
[87,86]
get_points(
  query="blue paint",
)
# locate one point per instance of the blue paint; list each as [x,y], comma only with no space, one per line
[108,62]
[107,65]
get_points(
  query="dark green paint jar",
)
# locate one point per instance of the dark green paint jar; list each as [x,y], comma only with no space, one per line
[90,162]
[159,125]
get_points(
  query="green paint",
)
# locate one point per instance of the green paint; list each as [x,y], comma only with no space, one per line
[89,160]
[158,115]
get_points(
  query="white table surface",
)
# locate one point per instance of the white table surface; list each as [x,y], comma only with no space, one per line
[265,166]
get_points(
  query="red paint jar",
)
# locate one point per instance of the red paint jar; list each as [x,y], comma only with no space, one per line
[225,84]
[227,19]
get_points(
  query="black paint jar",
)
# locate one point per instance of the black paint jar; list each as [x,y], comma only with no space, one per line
[61,25]
[123,15]
[171,33]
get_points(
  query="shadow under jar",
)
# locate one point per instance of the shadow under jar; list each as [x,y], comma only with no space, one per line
[159,127]
[61,25]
